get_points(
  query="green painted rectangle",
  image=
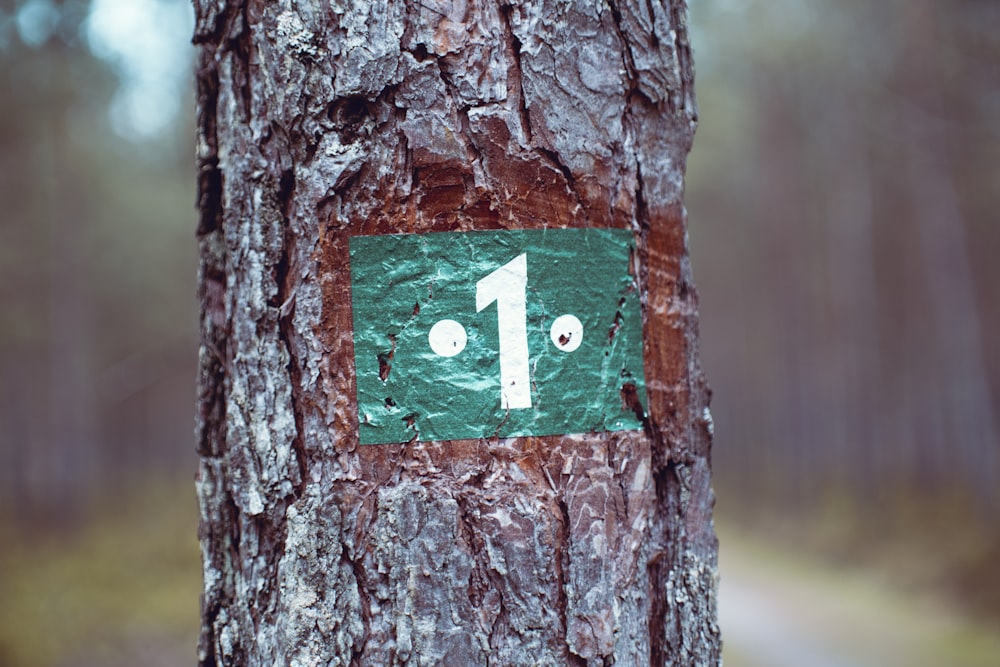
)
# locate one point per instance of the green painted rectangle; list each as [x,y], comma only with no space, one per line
[440,318]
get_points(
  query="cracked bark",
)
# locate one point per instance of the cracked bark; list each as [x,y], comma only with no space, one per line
[321,121]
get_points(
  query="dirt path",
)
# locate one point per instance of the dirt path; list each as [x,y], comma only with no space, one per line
[780,611]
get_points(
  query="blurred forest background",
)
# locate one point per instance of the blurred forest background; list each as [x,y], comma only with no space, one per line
[843,192]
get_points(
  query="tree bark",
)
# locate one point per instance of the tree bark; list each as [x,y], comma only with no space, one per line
[323,121]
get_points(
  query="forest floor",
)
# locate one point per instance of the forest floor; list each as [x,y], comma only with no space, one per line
[782,609]
[118,586]
[123,590]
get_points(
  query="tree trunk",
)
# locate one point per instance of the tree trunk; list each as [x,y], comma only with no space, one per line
[323,122]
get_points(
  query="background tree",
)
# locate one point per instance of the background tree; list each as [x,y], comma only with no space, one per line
[860,273]
[319,122]
[94,381]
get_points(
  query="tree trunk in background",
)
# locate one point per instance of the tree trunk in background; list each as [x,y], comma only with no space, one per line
[953,406]
[319,122]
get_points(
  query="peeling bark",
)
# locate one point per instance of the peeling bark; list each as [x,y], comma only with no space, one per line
[319,121]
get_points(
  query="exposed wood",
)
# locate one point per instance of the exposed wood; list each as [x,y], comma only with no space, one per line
[322,121]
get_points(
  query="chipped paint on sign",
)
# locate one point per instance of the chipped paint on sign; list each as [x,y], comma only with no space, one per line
[500,333]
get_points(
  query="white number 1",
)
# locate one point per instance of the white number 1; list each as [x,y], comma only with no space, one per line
[507,286]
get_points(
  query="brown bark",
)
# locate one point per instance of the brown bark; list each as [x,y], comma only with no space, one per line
[319,122]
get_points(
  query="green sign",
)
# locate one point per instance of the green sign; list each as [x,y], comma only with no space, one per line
[505,333]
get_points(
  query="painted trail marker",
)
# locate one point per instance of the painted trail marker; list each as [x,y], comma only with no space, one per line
[506,333]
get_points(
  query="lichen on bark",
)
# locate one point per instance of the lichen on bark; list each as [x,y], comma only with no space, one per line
[319,121]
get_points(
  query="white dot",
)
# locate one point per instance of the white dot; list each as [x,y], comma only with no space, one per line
[447,338]
[567,333]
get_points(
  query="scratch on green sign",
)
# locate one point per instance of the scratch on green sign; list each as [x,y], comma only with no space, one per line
[505,333]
